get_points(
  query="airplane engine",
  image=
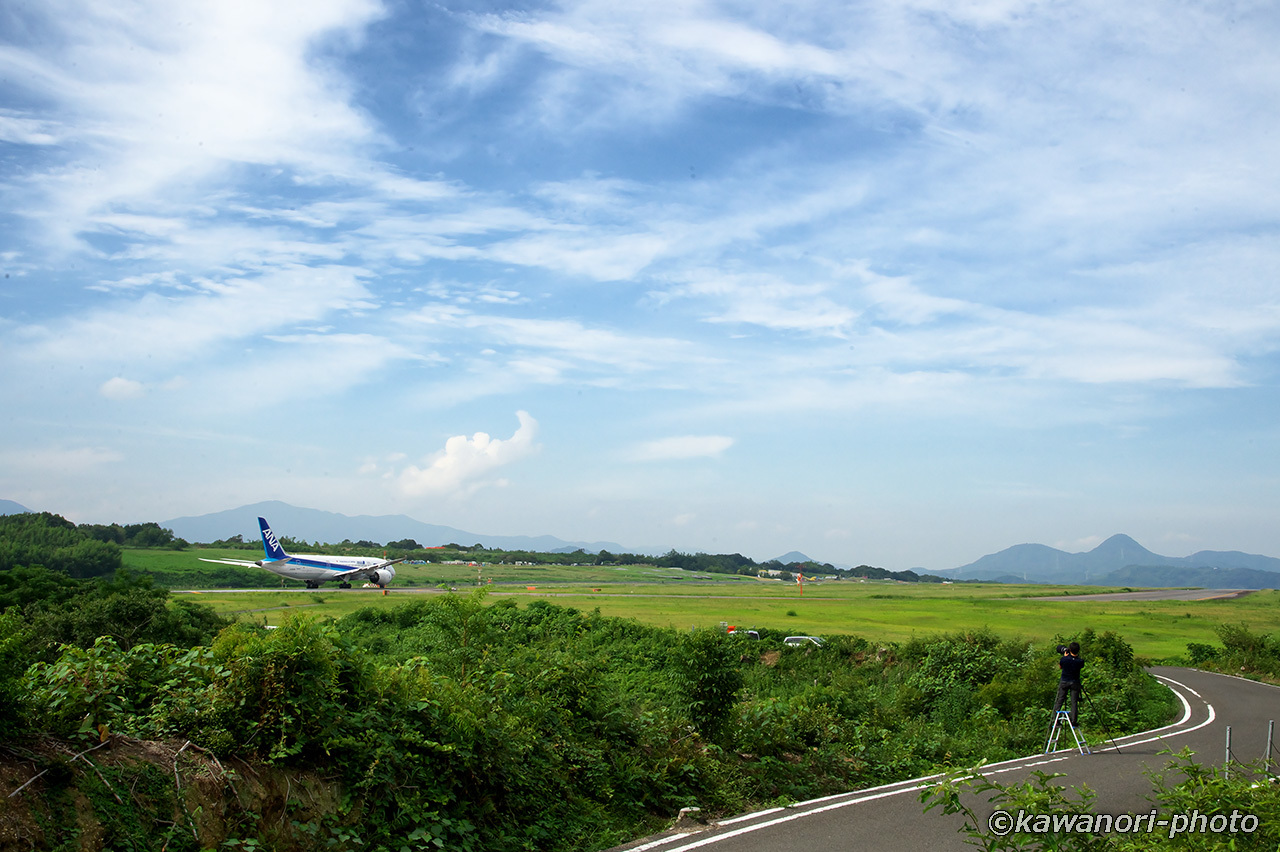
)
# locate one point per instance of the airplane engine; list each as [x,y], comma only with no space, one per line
[382,576]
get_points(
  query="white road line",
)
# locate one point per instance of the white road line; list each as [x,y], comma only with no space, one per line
[746,817]
[656,843]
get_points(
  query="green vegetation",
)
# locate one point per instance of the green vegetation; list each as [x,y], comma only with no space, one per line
[52,542]
[499,727]
[1242,653]
[480,721]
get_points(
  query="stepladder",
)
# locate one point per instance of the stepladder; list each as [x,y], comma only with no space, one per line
[1062,722]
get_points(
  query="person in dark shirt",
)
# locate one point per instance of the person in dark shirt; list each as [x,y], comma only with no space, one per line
[1071,664]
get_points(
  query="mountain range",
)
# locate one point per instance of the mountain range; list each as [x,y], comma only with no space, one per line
[318,526]
[1121,561]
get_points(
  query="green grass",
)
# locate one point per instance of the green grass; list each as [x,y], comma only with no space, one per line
[182,569]
[879,611]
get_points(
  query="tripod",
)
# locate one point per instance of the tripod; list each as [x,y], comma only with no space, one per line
[1061,722]
[1106,730]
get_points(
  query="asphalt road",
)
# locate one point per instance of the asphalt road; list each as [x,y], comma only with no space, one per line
[891,818]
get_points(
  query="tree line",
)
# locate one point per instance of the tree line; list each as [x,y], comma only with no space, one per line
[91,550]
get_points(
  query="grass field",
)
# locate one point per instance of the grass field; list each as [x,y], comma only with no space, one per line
[1159,630]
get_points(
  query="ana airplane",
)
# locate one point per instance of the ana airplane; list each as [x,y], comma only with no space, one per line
[315,569]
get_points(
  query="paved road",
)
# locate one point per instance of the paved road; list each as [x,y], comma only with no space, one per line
[891,817]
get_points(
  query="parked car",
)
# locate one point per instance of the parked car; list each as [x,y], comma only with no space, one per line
[799,641]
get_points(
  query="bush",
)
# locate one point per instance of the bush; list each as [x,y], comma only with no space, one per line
[1242,652]
[707,677]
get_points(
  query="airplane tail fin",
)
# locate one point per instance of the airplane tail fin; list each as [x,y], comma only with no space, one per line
[270,544]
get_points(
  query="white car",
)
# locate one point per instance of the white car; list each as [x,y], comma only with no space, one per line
[798,641]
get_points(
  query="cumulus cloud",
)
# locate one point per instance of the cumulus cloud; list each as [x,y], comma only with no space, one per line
[682,447]
[465,463]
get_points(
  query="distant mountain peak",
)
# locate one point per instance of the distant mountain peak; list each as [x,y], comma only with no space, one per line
[1038,563]
[1119,541]
[794,557]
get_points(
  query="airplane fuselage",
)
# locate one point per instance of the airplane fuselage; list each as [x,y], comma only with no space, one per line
[315,567]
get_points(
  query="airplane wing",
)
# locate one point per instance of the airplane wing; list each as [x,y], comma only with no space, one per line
[238,562]
[355,572]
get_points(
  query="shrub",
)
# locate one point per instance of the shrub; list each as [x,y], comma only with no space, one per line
[707,677]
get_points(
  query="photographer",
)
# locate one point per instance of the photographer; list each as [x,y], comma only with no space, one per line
[1071,664]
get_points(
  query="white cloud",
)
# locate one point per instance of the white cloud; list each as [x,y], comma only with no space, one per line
[595,254]
[554,350]
[59,461]
[682,447]
[163,96]
[899,300]
[767,300]
[121,388]
[293,367]
[20,130]
[153,329]
[662,53]
[464,464]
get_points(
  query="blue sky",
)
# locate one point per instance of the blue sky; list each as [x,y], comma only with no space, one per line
[889,283]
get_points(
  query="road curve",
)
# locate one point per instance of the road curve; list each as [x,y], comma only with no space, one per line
[891,818]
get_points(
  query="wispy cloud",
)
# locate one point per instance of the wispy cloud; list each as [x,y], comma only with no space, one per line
[60,461]
[163,330]
[165,98]
[681,447]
